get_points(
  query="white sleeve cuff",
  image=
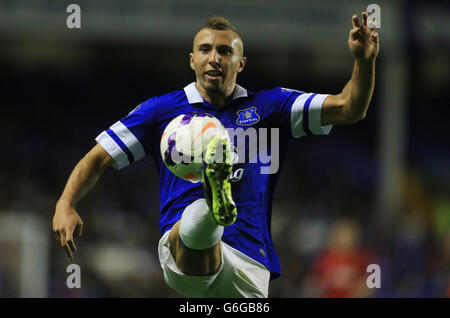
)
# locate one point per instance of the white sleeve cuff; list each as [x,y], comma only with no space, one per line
[114,150]
[306,115]
[130,141]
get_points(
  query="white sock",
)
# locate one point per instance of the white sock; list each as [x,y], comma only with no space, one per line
[198,230]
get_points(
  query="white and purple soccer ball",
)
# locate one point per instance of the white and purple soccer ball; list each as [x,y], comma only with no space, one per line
[184,140]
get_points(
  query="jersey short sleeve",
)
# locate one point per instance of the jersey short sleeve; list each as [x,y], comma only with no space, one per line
[128,140]
[302,112]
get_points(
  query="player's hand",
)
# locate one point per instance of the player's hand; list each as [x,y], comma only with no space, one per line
[363,41]
[66,221]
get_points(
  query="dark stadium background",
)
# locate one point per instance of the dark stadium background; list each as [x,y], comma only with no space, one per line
[60,88]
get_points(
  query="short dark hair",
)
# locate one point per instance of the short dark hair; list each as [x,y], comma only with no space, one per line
[220,23]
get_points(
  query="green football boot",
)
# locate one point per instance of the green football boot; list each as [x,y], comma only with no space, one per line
[216,181]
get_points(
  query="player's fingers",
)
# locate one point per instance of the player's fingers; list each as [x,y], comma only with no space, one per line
[374,36]
[354,33]
[355,21]
[62,236]
[72,245]
[68,252]
[372,24]
[69,239]
[365,15]
[79,229]
[56,236]
[65,246]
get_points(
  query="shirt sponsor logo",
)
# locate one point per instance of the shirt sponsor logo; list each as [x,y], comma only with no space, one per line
[247,117]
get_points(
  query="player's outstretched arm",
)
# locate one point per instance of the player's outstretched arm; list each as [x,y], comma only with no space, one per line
[66,220]
[352,103]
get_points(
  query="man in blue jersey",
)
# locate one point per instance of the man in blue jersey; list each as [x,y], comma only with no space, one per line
[216,239]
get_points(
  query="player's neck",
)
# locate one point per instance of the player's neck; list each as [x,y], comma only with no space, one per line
[216,98]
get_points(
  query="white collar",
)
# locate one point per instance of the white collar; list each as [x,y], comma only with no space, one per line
[194,96]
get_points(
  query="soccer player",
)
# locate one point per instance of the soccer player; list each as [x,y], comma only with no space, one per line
[216,239]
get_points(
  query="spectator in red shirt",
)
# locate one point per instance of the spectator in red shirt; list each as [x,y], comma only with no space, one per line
[340,270]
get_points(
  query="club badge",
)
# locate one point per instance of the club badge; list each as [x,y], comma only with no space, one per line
[247,117]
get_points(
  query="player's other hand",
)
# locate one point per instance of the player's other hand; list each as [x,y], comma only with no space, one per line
[363,41]
[66,222]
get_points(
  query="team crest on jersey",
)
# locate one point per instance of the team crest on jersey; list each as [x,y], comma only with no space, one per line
[247,117]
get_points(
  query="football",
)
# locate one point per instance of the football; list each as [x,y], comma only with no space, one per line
[184,140]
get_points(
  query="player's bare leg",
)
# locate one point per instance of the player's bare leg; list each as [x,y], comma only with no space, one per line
[210,217]
[194,262]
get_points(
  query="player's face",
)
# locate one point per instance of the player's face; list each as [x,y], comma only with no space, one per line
[217,59]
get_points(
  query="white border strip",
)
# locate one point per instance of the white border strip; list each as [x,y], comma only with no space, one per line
[315,112]
[114,150]
[297,115]
[129,140]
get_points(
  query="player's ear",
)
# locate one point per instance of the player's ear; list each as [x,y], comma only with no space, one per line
[191,60]
[242,63]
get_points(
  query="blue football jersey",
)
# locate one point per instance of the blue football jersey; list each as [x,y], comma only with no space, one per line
[282,114]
